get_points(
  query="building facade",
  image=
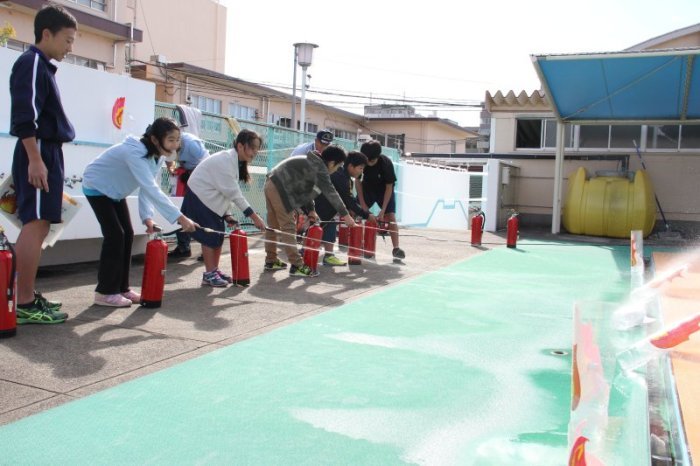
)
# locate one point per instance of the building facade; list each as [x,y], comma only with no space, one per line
[523,130]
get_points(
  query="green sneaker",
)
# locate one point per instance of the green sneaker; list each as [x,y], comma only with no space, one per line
[276,265]
[52,305]
[39,313]
[331,260]
[302,271]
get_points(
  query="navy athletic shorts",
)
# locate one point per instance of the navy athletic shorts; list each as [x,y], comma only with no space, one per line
[33,203]
[199,213]
[372,198]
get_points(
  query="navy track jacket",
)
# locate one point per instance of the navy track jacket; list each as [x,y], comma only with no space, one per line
[36,102]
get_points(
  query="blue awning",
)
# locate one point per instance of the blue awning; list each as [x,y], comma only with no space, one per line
[632,87]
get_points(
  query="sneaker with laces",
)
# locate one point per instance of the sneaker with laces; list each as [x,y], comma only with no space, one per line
[52,305]
[398,253]
[213,279]
[332,261]
[39,313]
[224,276]
[132,296]
[111,300]
[276,265]
[302,271]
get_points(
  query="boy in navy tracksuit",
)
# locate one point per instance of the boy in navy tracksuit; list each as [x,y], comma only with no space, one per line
[342,181]
[41,126]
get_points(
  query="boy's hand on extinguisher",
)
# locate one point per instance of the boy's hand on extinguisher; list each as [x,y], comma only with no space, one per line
[188,226]
[313,216]
[349,221]
[258,222]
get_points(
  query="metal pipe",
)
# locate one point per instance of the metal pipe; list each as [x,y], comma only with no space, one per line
[293,123]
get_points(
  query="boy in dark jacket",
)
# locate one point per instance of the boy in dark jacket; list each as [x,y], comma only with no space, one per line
[342,181]
[41,127]
[292,184]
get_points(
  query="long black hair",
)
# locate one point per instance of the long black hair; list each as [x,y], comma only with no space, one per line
[245,137]
[160,128]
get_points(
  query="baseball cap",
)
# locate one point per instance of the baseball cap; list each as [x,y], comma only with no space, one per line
[326,137]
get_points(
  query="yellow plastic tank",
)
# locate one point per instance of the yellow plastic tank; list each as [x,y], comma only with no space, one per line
[609,206]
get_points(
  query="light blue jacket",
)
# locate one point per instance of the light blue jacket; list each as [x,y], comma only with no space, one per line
[192,151]
[121,169]
[303,149]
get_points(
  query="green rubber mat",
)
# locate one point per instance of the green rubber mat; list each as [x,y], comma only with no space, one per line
[466,365]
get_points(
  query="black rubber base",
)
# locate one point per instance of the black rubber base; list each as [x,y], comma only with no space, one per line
[8,333]
[145,303]
[512,246]
[245,282]
[354,262]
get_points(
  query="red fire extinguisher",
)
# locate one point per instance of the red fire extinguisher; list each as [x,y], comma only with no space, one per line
[181,185]
[478,221]
[512,230]
[154,271]
[370,239]
[343,234]
[8,310]
[355,245]
[240,268]
[312,245]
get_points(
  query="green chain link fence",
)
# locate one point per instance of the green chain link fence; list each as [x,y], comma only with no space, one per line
[218,134]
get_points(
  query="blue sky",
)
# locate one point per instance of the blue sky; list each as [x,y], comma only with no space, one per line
[438,50]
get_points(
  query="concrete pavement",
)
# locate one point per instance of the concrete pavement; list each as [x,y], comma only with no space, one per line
[98,347]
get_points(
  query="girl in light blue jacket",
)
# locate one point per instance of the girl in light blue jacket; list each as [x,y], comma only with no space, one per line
[107,181]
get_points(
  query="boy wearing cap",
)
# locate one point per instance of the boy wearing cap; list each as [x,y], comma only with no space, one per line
[292,184]
[377,186]
[323,140]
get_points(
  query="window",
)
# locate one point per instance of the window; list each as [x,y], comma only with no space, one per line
[86,62]
[625,136]
[690,137]
[593,136]
[284,122]
[540,133]
[17,45]
[379,137]
[528,134]
[100,5]
[206,104]
[242,112]
[311,128]
[397,141]
[663,137]
[339,133]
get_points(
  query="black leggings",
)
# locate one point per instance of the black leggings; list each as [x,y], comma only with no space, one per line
[115,258]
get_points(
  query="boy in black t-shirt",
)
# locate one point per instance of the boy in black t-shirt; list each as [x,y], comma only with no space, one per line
[377,186]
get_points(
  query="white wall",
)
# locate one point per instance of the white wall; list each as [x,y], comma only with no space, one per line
[88,97]
[432,197]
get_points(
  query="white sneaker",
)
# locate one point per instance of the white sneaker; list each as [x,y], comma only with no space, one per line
[112,300]
[132,296]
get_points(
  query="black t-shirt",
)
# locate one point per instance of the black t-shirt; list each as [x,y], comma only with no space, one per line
[375,178]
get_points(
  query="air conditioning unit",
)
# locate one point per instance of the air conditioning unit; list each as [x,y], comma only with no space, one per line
[364,138]
[159,59]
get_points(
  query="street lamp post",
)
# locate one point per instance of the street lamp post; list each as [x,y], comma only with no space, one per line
[303,55]
[293,123]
